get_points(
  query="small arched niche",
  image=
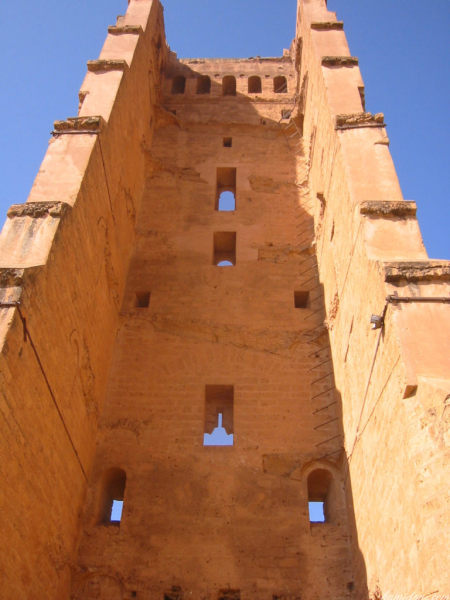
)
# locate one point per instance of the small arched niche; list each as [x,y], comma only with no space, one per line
[280,84]
[319,485]
[178,84]
[254,85]
[112,496]
[203,85]
[229,85]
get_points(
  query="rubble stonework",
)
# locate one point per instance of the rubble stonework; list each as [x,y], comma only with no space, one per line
[122,339]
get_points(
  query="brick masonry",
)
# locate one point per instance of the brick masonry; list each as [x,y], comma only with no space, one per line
[124,319]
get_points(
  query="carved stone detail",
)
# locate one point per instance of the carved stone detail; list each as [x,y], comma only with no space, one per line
[96,66]
[79,124]
[119,30]
[363,119]
[11,277]
[340,61]
[388,208]
[38,209]
[327,25]
[417,271]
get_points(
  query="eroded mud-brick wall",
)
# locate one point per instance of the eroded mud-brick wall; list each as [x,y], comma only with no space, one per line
[64,256]
[130,339]
[394,381]
[246,340]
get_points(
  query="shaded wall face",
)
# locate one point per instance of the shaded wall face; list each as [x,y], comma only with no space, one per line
[196,340]
[394,381]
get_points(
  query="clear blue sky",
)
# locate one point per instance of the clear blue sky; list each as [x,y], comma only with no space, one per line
[402,46]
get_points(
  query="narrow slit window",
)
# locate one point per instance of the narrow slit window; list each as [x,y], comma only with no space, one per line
[254,85]
[116,511]
[203,85]
[319,482]
[178,84]
[227,142]
[112,496]
[226,182]
[280,85]
[142,300]
[218,430]
[229,85]
[224,248]
[301,299]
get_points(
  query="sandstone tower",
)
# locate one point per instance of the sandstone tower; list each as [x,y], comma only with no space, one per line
[222,241]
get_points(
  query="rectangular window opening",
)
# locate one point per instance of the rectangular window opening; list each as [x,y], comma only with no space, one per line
[316,512]
[227,142]
[224,248]
[301,299]
[218,429]
[142,300]
[226,188]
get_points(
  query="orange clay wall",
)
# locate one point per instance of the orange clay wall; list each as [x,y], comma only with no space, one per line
[219,522]
[122,339]
[394,382]
[64,256]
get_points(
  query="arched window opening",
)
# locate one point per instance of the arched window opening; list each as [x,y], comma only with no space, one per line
[203,85]
[254,85]
[229,85]
[319,482]
[113,491]
[227,201]
[280,85]
[178,84]
[224,248]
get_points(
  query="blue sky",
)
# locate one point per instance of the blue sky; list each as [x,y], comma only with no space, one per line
[402,46]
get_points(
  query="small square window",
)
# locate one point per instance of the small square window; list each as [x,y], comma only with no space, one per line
[301,299]
[142,300]
[227,142]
